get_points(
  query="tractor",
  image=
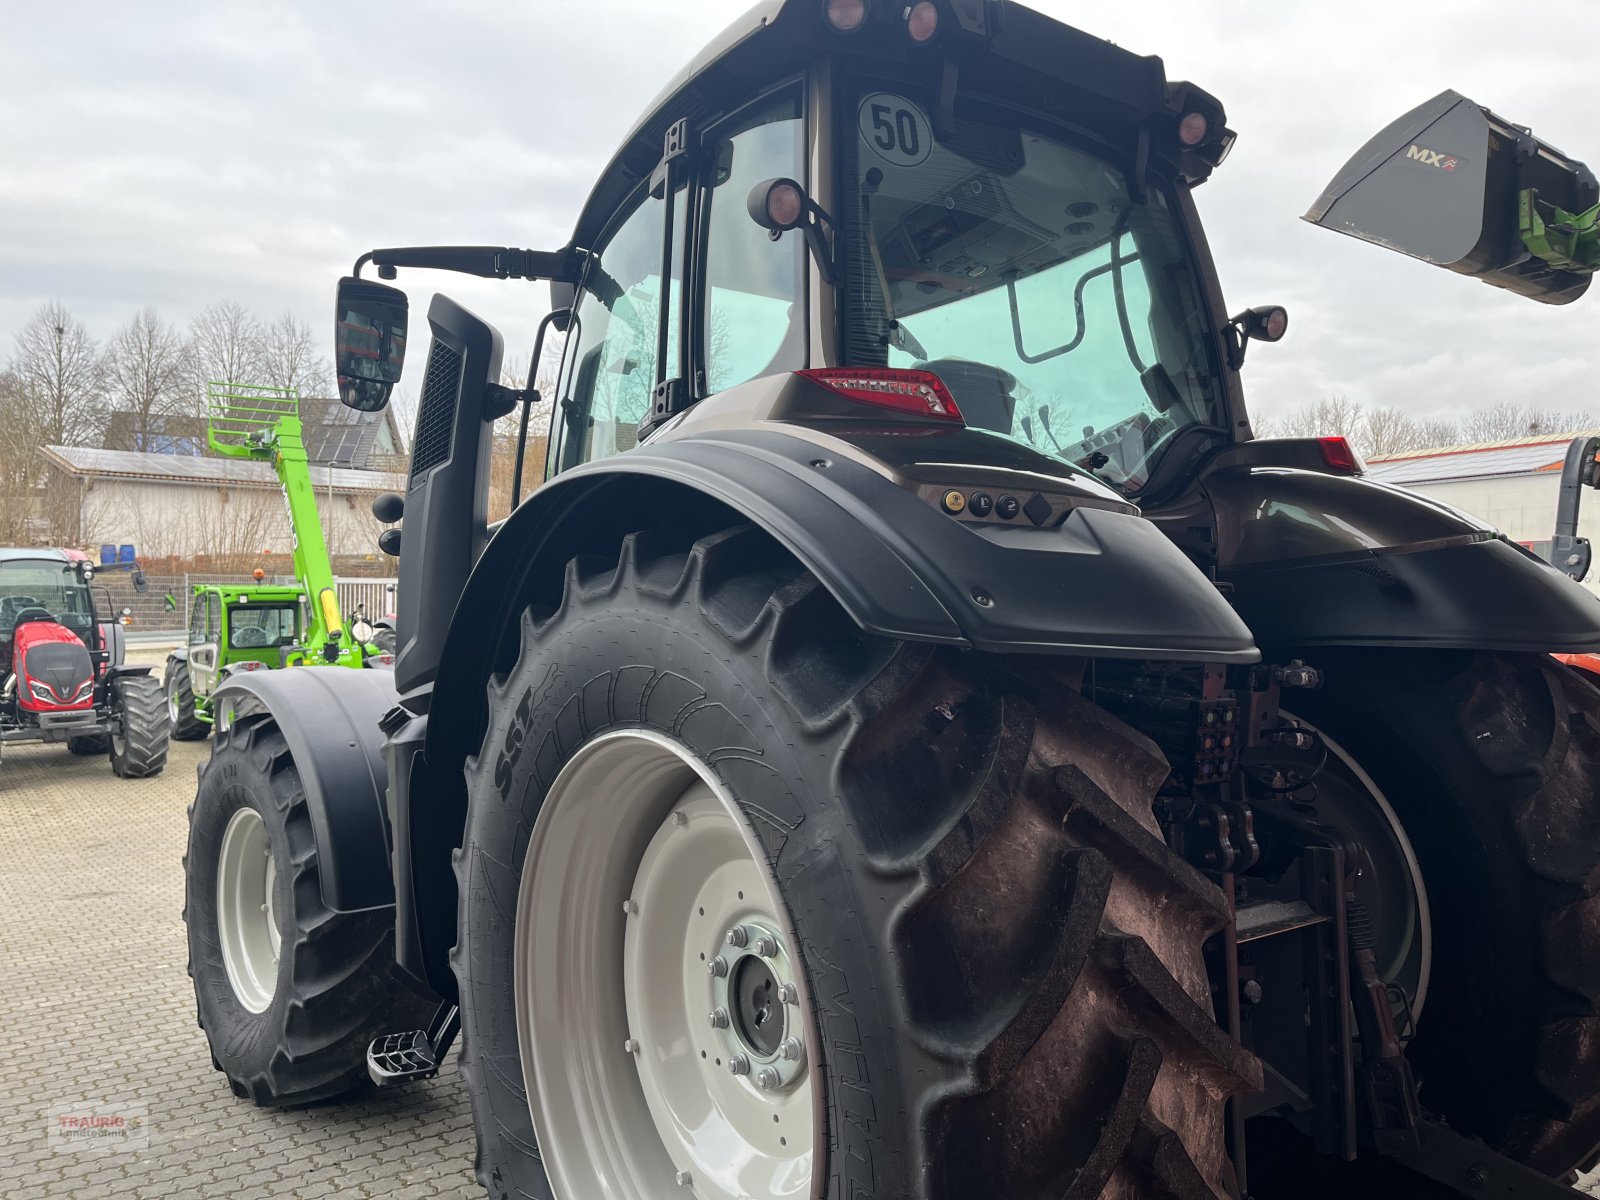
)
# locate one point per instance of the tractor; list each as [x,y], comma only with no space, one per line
[61,663]
[258,626]
[912,740]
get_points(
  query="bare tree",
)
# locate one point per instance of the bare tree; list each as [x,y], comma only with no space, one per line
[226,346]
[1505,420]
[148,373]
[289,358]
[57,365]
[1441,431]
[19,449]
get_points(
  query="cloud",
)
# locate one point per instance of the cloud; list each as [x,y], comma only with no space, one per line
[181,153]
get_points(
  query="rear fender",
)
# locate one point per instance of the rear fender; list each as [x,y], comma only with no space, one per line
[1314,559]
[330,719]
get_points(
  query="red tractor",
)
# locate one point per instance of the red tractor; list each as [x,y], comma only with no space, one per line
[62,678]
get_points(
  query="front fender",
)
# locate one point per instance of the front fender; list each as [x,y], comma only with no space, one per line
[329,716]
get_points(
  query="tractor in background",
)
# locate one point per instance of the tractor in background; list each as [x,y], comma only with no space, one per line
[62,674]
[258,626]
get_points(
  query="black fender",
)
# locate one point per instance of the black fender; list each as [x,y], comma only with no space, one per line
[1314,559]
[329,716]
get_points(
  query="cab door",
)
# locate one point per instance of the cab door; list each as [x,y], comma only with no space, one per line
[205,640]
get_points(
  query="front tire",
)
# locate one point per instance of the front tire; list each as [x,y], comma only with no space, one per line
[959,850]
[139,733]
[186,726]
[289,993]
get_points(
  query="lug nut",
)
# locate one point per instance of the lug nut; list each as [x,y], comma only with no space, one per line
[631,907]
[767,947]
[738,937]
[680,818]
[739,1065]
[718,967]
[789,994]
[684,1179]
[791,1049]
[719,1019]
[631,1046]
[768,1079]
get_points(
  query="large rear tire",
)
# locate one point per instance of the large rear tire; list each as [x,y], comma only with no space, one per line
[1492,762]
[1000,982]
[139,732]
[186,726]
[289,993]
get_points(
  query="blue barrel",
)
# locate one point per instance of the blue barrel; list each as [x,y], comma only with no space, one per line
[125,554]
[108,555]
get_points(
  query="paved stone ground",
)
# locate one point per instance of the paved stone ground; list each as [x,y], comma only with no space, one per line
[99,1017]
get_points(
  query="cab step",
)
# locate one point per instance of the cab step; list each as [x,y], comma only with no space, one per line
[400,1058]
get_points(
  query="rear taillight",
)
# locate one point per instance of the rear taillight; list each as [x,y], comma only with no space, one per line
[1339,457]
[920,393]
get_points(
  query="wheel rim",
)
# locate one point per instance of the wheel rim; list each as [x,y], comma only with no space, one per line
[172,699]
[246,918]
[1390,884]
[653,962]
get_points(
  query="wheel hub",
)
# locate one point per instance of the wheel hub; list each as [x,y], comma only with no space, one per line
[753,994]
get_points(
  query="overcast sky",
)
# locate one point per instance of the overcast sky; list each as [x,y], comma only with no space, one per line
[176,154]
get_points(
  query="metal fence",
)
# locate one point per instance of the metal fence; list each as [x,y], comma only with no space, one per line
[376,596]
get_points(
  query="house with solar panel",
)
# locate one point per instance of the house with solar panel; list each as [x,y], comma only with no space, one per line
[154,485]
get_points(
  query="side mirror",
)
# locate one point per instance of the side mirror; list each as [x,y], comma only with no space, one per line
[369,342]
[140,583]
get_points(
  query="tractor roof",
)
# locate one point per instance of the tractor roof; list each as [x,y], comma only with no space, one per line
[1031,58]
[34,553]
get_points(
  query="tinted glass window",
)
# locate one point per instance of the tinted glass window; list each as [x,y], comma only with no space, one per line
[611,373]
[1058,304]
[754,320]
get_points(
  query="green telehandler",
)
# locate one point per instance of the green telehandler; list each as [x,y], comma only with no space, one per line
[260,626]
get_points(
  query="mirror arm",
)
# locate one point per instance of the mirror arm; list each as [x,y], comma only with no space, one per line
[488,262]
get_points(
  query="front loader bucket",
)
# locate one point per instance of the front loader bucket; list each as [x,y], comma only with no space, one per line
[1454,185]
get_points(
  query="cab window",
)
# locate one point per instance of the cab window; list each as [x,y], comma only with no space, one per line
[754,309]
[611,369]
